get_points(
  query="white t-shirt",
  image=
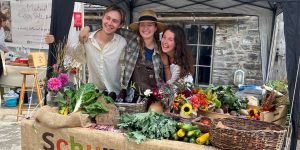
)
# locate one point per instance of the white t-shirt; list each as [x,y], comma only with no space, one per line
[175,74]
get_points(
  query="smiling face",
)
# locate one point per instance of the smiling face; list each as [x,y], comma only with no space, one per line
[147,29]
[111,21]
[168,42]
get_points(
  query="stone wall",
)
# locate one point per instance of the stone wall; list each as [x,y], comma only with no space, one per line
[237,46]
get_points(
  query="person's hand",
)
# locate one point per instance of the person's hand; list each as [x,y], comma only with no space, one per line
[84,34]
[4,11]
[165,59]
[49,38]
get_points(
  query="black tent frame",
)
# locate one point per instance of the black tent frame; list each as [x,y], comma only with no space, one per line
[62,14]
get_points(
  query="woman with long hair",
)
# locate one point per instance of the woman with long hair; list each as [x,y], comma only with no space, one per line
[179,58]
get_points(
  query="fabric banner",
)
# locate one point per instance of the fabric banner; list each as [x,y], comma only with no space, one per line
[30,22]
[34,136]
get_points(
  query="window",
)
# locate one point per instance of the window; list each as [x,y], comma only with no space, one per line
[200,41]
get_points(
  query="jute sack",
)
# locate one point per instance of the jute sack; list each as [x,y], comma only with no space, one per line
[49,117]
[109,118]
[35,136]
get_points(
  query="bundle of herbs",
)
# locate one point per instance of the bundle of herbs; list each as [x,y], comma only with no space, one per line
[149,125]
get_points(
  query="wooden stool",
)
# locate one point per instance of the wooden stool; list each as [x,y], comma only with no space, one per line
[23,88]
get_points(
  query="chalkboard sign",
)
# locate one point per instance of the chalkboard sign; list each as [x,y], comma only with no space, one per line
[30,21]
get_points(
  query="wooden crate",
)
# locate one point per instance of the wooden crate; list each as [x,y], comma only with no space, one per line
[37,59]
[278,116]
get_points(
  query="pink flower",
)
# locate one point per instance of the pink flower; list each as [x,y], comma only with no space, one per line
[54,84]
[64,78]
[55,65]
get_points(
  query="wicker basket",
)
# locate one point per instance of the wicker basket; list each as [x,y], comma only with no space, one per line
[213,115]
[132,108]
[241,134]
[204,128]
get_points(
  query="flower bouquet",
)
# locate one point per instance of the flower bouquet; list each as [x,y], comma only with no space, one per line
[57,83]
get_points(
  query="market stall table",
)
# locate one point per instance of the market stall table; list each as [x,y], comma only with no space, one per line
[36,137]
[14,78]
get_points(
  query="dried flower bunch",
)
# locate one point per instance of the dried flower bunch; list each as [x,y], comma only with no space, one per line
[61,71]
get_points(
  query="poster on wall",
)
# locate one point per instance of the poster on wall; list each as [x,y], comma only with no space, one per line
[5,9]
[30,22]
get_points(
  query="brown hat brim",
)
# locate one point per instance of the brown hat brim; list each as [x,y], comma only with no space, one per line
[135,26]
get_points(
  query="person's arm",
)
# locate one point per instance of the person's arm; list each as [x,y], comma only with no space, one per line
[127,34]
[166,64]
[175,73]
[3,46]
[75,49]
[84,34]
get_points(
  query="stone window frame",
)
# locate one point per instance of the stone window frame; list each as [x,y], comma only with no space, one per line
[198,46]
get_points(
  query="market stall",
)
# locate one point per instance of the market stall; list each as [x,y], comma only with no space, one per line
[291,17]
[36,136]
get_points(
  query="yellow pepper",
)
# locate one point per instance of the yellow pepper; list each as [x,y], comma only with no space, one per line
[181,133]
[202,139]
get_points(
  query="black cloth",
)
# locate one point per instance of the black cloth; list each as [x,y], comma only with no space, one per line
[291,13]
[61,17]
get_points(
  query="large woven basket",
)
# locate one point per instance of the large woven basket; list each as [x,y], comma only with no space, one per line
[244,134]
[132,108]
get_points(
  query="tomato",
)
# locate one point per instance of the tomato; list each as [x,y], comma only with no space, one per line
[205,121]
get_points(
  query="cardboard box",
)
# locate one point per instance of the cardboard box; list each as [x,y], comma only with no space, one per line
[278,116]
[37,59]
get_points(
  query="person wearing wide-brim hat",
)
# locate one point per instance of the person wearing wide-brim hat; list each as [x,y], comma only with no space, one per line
[143,59]
[143,64]
[147,16]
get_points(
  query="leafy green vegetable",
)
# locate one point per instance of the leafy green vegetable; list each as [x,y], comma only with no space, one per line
[84,95]
[149,125]
[95,108]
[108,99]
[279,85]
[227,97]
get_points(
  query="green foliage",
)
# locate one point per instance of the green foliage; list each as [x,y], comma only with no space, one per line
[149,125]
[95,108]
[108,99]
[279,85]
[227,97]
[85,95]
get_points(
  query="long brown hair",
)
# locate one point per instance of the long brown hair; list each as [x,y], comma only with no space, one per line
[182,56]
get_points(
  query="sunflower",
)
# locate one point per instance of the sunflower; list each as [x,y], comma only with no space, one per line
[187,109]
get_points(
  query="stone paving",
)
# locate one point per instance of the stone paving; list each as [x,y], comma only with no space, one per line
[10,129]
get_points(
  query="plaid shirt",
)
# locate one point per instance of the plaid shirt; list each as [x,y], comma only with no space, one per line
[131,56]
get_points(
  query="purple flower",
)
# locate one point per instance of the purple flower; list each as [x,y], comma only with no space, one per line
[64,78]
[54,84]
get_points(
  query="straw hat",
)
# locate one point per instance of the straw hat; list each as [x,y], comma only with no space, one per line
[147,16]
